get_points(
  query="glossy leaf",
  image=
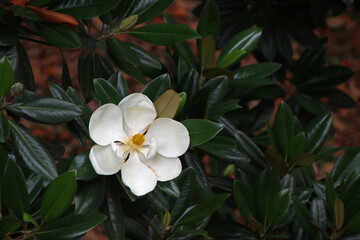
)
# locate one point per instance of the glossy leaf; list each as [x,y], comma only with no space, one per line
[6,76]
[203,210]
[278,207]
[46,110]
[164,34]
[157,86]
[207,52]
[304,159]
[347,163]
[32,152]
[167,104]
[106,92]
[122,52]
[169,187]
[156,8]
[24,71]
[230,59]
[147,59]
[283,128]
[83,167]
[245,199]
[118,81]
[71,226]
[209,22]
[304,218]
[8,223]
[4,128]
[34,186]
[14,191]
[256,71]
[296,145]
[318,213]
[317,131]
[59,35]
[114,226]
[186,183]
[55,203]
[201,130]
[84,9]
[331,195]
[245,40]
[276,161]
[89,196]
[267,186]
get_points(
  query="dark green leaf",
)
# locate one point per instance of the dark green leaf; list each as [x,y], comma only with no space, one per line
[164,34]
[304,218]
[122,52]
[129,69]
[245,40]
[229,59]
[31,151]
[84,9]
[4,128]
[209,22]
[14,192]
[169,187]
[157,86]
[65,77]
[156,7]
[24,71]
[283,128]
[278,207]
[46,110]
[189,84]
[89,196]
[248,82]
[210,73]
[24,12]
[317,131]
[147,59]
[309,104]
[106,92]
[118,81]
[245,199]
[83,167]
[7,35]
[6,76]
[318,213]
[34,186]
[8,224]
[330,194]
[90,67]
[187,184]
[59,35]
[328,152]
[71,226]
[114,226]
[304,159]
[203,210]
[341,99]
[55,202]
[296,145]
[201,131]
[267,186]
[276,161]
[207,52]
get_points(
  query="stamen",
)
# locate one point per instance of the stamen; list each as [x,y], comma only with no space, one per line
[138,139]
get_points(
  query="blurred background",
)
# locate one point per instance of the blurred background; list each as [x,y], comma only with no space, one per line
[342,32]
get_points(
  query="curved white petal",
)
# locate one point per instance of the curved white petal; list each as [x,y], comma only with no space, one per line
[150,150]
[165,168]
[138,111]
[106,125]
[104,160]
[121,150]
[138,177]
[172,138]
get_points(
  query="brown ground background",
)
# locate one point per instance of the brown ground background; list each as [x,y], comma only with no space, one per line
[343,32]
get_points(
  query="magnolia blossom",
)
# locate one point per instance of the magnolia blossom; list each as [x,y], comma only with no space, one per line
[130,138]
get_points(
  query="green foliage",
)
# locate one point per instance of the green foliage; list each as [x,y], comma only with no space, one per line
[239,157]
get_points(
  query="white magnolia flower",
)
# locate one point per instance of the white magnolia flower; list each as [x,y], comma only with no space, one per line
[130,139]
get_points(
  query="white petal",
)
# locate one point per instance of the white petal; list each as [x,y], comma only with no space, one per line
[138,111]
[121,150]
[138,177]
[106,125]
[165,168]
[104,160]
[172,138]
[150,150]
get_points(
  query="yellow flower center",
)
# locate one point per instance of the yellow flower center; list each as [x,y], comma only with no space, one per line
[138,139]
